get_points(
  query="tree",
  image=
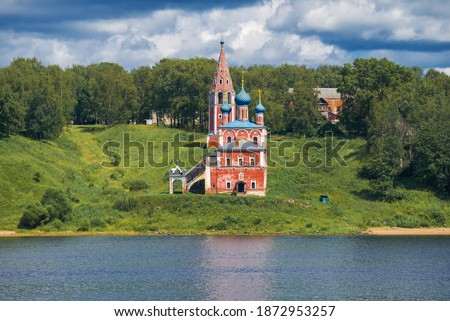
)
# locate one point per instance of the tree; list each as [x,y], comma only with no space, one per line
[57,202]
[365,82]
[34,216]
[113,93]
[143,79]
[385,148]
[301,113]
[12,111]
[45,119]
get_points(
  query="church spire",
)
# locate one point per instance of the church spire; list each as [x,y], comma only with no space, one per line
[221,91]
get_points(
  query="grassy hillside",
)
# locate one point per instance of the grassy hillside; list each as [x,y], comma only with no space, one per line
[77,164]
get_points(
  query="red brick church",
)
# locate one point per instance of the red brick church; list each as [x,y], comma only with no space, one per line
[238,164]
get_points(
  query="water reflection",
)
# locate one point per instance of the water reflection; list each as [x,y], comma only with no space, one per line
[236,267]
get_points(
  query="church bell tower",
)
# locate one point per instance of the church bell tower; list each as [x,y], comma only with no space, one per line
[221,91]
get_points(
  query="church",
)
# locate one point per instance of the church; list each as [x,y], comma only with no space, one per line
[238,163]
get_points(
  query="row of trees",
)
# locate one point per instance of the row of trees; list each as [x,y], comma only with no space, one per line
[38,100]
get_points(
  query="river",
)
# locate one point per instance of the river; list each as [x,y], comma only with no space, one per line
[225,268]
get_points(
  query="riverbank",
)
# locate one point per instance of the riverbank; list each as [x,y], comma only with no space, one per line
[380,231]
[387,231]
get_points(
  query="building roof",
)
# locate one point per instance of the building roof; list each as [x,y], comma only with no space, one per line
[240,146]
[241,124]
[328,93]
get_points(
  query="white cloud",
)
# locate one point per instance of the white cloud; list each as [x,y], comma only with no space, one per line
[270,32]
[395,20]
[444,70]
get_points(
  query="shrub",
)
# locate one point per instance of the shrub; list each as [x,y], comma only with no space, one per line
[58,201]
[85,225]
[257,221]
[98,222]
[231,220]
[37,177]
[437,215]
[394,194]
[125,204]
[137,185]
[221,226]
[57,224]
[34,216]
[402,220]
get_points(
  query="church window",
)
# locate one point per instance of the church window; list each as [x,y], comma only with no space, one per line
[241,176]
[252,161]
[220,116]
[229,139]
[229,98]
[228,161]
[220,98]
[241,161]
[221,81]
[253,184]
[255,140]
[228,185]
[227,81]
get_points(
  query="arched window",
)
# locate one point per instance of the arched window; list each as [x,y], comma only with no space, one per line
[220,98]
[229,97]
[221,81]
[229,139]
[253,184]
[241,176]
[255,140]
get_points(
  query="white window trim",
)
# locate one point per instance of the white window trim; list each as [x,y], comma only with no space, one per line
[228,184]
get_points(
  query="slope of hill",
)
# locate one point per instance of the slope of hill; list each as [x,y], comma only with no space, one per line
[79,163]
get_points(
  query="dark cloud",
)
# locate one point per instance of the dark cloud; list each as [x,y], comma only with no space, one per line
[380,41]
[46,16]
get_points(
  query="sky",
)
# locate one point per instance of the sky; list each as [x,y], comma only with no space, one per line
[134,33]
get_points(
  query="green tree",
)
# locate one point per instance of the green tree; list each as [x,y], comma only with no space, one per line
[363,83]
[12,111]
[143,79]
[34,216]
[57,203]
[45,117]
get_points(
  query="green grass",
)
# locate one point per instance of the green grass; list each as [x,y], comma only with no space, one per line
[77,164]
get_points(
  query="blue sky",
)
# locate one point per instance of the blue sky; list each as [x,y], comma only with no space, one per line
[311,32]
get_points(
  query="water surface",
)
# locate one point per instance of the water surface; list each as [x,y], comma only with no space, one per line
[225,268]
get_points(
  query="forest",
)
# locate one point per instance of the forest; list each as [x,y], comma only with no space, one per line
[402,112]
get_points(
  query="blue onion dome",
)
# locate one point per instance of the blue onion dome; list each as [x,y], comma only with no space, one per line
[242,99]
[260,109]
[225,108]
